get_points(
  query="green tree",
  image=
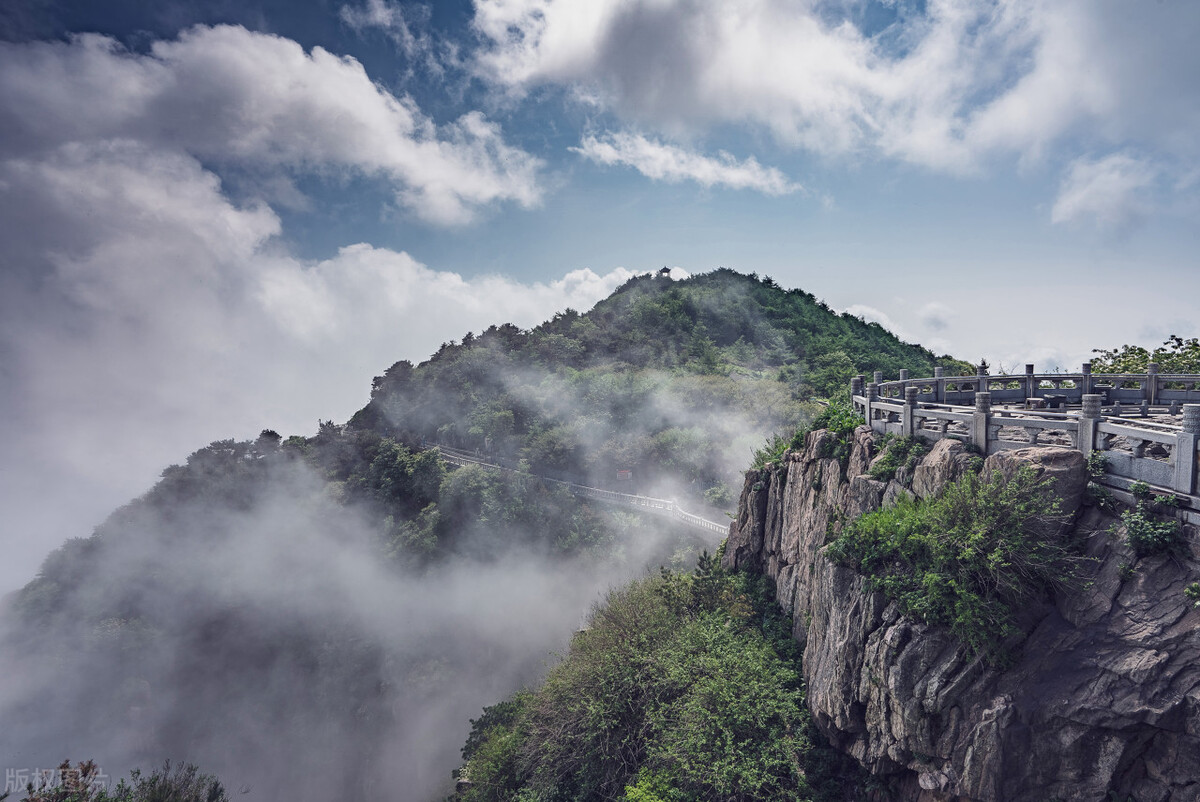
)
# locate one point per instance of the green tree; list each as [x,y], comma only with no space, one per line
[684,687]
[1175,355]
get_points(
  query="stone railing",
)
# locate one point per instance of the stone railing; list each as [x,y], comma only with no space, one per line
[1116,389]
[1160,451]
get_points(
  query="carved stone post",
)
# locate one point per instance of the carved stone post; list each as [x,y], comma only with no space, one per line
[1030,382]
[1088,418]
[1087,377]
[1150,393]
[872,392]
[856,386]
[939,392]
[879,377]
[1185,449]
[908,416]
[983,410]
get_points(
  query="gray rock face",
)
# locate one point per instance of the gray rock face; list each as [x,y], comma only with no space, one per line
[947,462]
[1103,696]
[1066,468]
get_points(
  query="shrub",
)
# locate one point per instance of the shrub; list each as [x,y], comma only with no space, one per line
[1192,592]
[1170,501]
[968,559]
[899,452]
[84,783]
[838,417]
[719,495]
[771,451]
[685,687]
[1101,497]
[1097,465]
[1149,534]
[1140,491]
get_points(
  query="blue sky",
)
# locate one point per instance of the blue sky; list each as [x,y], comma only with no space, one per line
[217,217]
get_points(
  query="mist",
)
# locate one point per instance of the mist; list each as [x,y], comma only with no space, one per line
[584,416]
[151,300]
[261,635]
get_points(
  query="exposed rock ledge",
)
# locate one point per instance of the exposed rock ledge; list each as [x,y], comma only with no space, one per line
[1104,695]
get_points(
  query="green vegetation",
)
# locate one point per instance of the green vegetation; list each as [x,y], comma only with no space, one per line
[103,610]
[420,511]
[1148,534]
[898,453]
[685,687]
[673,380]
[1175,355]
[967,560]
[1146,531]
[1192,592]
[84,783]
[837,417]
[1097,494]
[664,378]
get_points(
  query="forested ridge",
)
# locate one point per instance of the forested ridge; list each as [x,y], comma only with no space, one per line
[345,601]
[674,380]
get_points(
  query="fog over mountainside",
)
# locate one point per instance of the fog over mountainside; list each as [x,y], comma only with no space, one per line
[242,617]
[355,246]
[675,380]
[319,618]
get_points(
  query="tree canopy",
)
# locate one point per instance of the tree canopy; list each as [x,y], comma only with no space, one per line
[1175,355]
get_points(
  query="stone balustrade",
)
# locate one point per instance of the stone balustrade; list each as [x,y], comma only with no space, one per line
[1127,389]
[1086,411]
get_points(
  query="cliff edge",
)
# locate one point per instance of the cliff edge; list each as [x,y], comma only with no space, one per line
[1101,699]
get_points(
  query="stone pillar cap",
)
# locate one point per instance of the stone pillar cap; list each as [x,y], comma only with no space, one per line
[1191,418]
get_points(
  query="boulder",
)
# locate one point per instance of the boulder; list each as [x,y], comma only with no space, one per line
[1066,467]
[861,453]
[947,462]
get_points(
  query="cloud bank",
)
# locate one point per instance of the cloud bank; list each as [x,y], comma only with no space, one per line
[951,86]
[145,312]
[233,96]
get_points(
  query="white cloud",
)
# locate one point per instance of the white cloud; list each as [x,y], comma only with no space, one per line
[873,315]
[935,316]
[1112,191]
[407,28]
[232,96]
[143,314]
[663,162]
[380,14]
[357,298]
[946,87]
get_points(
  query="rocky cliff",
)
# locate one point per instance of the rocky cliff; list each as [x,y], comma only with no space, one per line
[1102,698]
